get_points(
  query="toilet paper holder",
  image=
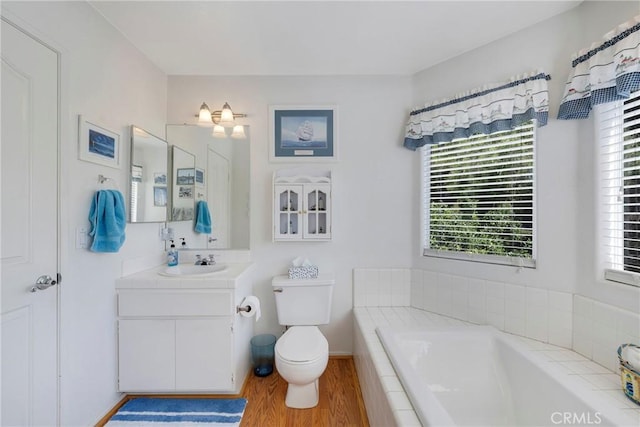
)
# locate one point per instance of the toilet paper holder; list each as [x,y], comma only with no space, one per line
[246,309]
[249,307]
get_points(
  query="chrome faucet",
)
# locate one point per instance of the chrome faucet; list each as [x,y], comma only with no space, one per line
[209,260]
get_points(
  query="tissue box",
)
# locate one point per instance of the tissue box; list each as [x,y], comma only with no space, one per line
[308,272]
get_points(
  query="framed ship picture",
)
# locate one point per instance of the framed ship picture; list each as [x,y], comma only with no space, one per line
[303,133]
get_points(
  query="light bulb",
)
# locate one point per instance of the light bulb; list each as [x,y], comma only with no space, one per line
[226,116]
[204,117]
[219,132]
[238,132]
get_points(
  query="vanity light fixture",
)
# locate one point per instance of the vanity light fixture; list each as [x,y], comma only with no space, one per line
[224,118]
[238,132]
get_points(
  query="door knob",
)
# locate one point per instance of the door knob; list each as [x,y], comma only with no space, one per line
[42,283]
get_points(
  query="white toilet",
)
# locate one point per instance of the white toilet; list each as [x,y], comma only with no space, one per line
[302,352]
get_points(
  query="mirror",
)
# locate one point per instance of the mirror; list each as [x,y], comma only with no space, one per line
[222,179]
[183,176]
[148,178]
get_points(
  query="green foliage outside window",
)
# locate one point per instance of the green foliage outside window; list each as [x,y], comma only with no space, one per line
[481,195]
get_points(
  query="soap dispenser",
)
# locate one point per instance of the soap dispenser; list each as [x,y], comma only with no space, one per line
[172,255]
[183,245]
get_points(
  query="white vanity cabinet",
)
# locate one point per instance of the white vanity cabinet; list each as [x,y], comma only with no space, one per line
[302,206]
[187,339]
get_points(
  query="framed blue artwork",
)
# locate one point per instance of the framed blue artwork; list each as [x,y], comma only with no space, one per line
[303,133]
[97,144]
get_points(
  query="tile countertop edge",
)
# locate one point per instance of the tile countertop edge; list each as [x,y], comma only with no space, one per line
[152,279]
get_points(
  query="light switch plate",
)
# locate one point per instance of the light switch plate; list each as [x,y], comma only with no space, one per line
[82,238]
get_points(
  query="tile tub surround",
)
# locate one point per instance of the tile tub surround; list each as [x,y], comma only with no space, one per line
[388,404]
[384,287]
[598,330]
[540,314]
[591,328]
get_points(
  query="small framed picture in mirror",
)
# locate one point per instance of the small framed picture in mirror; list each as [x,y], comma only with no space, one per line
[199,177]
[185,192]
[160,178]
[159,196]
[185,176]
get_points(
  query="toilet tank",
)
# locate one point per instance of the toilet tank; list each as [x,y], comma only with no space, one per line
[302,302]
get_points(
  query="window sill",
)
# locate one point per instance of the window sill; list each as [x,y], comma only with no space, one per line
[482,258]
[625,277]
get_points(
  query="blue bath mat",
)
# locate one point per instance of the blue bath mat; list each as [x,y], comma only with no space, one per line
[158,412]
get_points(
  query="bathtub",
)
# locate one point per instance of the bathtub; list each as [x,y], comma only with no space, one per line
[479,376]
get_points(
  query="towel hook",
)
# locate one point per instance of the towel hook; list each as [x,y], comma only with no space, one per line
[104,179]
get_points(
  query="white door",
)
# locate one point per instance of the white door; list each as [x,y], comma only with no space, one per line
[219,200]
[29,219]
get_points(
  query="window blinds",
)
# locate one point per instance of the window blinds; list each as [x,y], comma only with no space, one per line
[479,197]
[619,133]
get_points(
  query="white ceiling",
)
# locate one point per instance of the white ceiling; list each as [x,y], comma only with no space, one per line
[316,37]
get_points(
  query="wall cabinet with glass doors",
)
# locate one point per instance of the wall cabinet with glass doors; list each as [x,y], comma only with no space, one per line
[302,206]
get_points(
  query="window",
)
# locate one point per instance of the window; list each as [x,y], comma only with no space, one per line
[618,128]
[134,200]
[479,199]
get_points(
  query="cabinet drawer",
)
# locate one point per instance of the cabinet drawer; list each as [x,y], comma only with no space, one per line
[169,303]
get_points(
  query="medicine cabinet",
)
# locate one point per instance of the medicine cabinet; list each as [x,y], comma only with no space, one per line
[302,205]
[148,178]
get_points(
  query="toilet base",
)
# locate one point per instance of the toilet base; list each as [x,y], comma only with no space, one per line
[302,396]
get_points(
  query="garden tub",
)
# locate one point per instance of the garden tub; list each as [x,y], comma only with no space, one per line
[479,376]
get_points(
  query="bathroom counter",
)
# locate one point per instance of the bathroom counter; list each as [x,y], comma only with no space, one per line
[151,279]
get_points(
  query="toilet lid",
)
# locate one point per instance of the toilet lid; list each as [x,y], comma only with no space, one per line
[302,344]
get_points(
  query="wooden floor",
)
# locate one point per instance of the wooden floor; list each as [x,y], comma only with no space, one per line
[340,400]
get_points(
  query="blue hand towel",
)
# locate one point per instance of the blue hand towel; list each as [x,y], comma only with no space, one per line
[203,218]
[107,217]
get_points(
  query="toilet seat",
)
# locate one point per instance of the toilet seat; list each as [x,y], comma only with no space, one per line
[302,345]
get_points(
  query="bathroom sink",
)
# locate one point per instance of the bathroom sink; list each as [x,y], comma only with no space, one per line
[188,270]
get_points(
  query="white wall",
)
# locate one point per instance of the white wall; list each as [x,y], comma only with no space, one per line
[104,78]
[565,187]
[372,190]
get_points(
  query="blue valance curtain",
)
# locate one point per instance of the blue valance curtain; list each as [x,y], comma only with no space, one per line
[607,71]
[482,111]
